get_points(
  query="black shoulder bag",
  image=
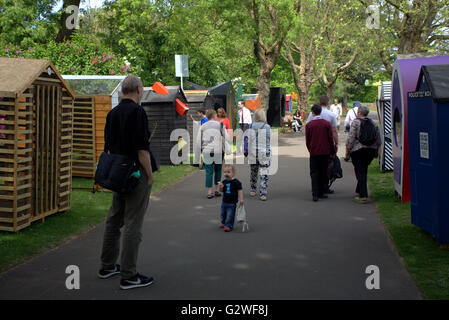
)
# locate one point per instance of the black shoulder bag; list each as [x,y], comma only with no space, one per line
[115,172]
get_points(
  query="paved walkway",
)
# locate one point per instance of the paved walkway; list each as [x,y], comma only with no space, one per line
[296,249]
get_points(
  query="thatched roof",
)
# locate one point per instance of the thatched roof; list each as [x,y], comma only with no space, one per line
[16,75]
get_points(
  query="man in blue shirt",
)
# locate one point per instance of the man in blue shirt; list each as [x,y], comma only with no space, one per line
[202,114]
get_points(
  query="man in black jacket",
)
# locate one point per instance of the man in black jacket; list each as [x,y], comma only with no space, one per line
[127,133]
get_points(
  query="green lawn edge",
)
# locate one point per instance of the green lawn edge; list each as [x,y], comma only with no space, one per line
[426,262]
[87,212]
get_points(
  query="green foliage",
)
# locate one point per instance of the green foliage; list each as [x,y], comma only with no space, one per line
[81,56]
[25,22]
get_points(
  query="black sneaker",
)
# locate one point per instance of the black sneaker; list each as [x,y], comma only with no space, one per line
[323,196]
[104,274]
[137,281]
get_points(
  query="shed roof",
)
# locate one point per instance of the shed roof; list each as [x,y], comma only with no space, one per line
[196,95]
[16,75]
[193,86]
[437,78]
[221,89]
[94,84]
[149,96]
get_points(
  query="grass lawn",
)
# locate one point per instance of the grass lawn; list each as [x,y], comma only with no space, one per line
[428,264]
[88,210]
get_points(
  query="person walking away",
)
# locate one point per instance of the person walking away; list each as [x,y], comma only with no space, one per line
[259,150]
[232,194]
[332,119]
[351,116]
[337,110]
[211,139]
[362,147]
[126,132]
[321,146]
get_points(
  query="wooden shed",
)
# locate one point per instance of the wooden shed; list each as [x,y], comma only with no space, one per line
[163,119]
[95,96]
[197,99]
[36,110]
[276,107]
[224,95]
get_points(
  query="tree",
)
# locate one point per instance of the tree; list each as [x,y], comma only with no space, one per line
[326,41]
[25,22]
[262,24]
[304,44]
[271,26]
[66,26]
[411,26]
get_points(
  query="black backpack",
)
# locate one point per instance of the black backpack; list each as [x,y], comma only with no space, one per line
[368,132]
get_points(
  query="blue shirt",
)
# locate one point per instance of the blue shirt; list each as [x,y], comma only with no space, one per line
[204,121]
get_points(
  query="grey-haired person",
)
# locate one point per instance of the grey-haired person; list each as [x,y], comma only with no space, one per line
[127,133]
[362,153]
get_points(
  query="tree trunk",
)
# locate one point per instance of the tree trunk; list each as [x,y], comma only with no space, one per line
[67,28]
[330,91]
[263,86]
[345,98]
[303,99]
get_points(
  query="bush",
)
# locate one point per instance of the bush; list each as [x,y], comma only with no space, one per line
[81,56]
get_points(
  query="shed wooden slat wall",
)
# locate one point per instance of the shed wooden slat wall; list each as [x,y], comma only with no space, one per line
[83,137]
[35,153]
[65,151]
[88,124]
[103,104]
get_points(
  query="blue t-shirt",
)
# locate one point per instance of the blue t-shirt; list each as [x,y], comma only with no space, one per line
[204,121]
[231,190]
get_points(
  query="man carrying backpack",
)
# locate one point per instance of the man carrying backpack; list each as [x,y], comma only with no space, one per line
[362,147]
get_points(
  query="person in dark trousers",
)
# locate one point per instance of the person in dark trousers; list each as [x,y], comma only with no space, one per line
[321,146]
[127,133]
[361,155]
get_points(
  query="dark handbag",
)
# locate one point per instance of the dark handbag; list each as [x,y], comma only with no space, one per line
[154,165]
[115,172]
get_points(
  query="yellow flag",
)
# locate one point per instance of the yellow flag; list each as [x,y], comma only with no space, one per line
[181,144]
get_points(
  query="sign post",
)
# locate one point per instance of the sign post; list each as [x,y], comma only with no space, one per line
[182,67]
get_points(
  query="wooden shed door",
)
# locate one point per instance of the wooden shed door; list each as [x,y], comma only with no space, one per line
[46,142]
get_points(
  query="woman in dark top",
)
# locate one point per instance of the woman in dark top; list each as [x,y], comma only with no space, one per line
[297,124]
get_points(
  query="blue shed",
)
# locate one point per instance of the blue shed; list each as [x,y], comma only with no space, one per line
[428,131]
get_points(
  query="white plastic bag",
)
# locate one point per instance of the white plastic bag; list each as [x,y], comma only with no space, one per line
[241,217]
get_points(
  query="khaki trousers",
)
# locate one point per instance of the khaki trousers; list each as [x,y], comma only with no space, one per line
[127,212]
